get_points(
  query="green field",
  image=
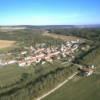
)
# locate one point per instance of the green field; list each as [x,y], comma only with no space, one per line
[84,88]
[40,78]
[93,58]
[28,83]
[11,74]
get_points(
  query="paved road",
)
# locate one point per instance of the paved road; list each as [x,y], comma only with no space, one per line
[60,85]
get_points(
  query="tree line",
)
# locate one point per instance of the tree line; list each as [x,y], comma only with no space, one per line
[29,88]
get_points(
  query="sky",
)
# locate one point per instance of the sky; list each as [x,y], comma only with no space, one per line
[49,12]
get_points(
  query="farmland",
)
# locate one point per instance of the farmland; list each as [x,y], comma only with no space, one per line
[11,74]
[29,82]
[14,77]
[37,77]
[59,36]
[6,43]
[93,57]
[86,88]
[82,89]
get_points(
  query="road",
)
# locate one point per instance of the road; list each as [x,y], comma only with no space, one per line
[57,87]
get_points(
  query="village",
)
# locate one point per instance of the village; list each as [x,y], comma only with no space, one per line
[43,54]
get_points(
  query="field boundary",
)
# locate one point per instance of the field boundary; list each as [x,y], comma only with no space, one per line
[6,43]
[59,36]
[57,87]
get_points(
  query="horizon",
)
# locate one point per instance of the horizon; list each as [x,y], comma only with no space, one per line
[49,12]
[50,25]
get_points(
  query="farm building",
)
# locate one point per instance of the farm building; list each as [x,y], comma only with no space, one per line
[87,71]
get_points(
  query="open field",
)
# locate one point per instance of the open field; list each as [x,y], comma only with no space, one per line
[93,58]
[11,77]
[86,88]
[57,87]
[62,37]
[11,74]
[6,43]
[35,80]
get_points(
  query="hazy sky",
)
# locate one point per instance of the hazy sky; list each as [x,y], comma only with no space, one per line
[49,12]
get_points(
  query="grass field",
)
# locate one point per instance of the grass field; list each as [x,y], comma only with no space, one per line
[11,74]
[62,37]
[87,88]
[83,88]
[93,58]
[6,43]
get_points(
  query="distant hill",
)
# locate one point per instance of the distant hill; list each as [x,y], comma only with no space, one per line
[49,26]
[12,27]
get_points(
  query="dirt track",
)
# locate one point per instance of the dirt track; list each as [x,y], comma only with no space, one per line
[60,85]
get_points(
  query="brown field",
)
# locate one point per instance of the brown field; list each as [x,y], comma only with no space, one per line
[62,37]
[6,43]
